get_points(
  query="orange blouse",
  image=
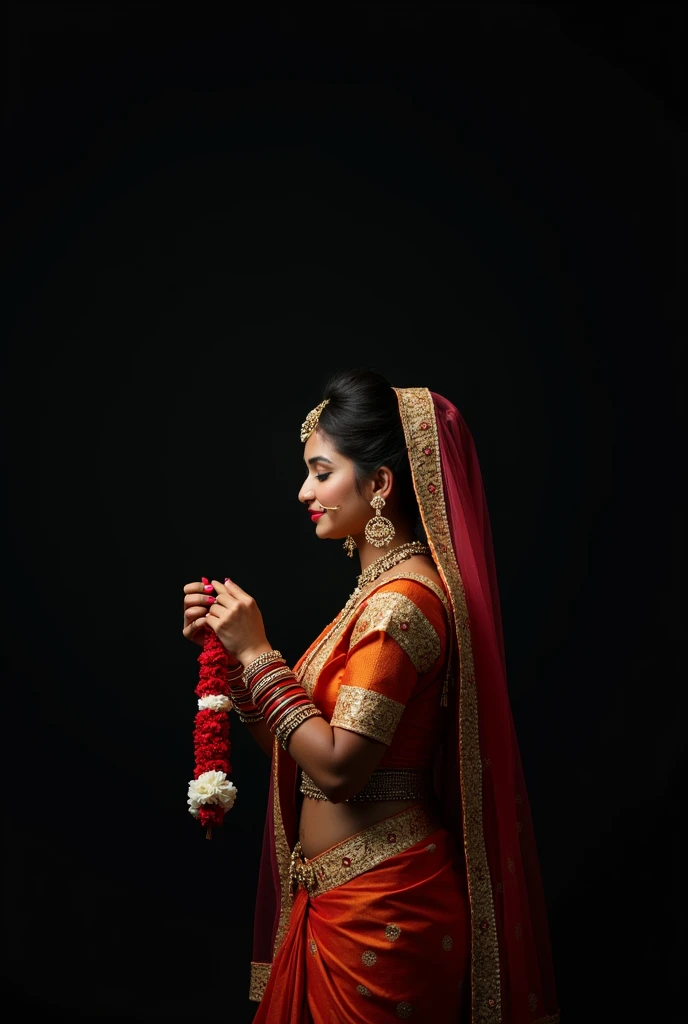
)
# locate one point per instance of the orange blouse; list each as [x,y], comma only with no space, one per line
[380,671]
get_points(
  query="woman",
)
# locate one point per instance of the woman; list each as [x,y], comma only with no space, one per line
[399,875]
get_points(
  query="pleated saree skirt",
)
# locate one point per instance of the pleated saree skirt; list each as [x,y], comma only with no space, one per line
[379,930]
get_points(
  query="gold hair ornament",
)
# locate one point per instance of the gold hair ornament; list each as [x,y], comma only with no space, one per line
[311,420]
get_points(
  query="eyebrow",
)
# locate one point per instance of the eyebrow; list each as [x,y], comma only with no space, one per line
[320,458]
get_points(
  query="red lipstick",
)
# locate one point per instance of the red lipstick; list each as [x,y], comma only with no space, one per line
[316,515]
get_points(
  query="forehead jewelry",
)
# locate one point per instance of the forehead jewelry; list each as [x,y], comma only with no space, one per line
[311,420]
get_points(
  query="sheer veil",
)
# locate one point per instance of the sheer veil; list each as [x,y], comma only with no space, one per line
[512,974]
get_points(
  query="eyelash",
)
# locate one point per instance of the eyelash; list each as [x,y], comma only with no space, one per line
[321,476]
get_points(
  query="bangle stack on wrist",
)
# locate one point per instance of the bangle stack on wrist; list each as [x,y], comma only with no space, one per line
[277,696]
[241,698]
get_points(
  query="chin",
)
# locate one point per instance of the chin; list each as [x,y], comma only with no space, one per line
[323,533]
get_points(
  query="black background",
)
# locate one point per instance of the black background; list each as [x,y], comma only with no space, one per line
[208,209]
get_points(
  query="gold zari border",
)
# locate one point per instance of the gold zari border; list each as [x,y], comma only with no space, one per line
[420,430]
[395,614]
[365,850]
[260,975]
[367,713]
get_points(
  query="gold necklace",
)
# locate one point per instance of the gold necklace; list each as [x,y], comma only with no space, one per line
[382,564]
[390,559]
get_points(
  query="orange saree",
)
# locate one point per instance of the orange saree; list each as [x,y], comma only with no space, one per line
[379,930]
[377,927]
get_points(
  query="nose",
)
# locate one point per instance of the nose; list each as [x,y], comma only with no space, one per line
[306,494]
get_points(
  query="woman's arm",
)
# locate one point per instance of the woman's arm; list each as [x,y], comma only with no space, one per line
[339,762]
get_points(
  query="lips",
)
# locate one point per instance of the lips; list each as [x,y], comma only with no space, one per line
[316,515]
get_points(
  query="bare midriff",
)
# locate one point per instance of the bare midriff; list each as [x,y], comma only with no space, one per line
[324,824]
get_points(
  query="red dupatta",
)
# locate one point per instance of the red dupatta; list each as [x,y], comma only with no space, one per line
[481,783]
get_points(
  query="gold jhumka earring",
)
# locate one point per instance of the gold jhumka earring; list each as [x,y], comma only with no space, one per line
[350,546]
[379,531]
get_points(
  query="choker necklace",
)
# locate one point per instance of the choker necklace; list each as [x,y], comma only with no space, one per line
[382,564]
[392,558]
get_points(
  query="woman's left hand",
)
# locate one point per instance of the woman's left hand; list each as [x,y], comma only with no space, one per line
[237,621]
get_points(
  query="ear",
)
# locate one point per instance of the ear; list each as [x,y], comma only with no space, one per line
[382,483]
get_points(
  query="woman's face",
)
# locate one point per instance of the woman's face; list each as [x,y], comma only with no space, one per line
[331,481]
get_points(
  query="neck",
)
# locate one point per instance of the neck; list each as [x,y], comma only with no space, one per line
[368,553]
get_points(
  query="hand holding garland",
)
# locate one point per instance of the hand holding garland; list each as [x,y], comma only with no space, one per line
[215,624]
[269,699]
[270,691]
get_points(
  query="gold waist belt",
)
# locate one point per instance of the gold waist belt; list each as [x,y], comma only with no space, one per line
[383,784]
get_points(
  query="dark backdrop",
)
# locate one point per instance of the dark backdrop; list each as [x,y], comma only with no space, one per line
[207,211]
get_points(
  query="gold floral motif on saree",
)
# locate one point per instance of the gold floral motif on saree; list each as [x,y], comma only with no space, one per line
[367,713]
[397,616]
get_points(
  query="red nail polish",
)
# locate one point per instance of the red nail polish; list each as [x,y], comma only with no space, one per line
[212,600]
[208,588]
[204,579]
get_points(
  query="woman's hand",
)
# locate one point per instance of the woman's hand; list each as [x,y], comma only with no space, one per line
[236,619]
[198,597]
[238,622]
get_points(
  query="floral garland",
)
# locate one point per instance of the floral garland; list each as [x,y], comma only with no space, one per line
[211,794]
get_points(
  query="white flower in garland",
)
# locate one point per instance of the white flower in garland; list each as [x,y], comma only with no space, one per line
[215,702]
[211,788]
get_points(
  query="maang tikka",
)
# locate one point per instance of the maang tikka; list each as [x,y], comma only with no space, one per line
[379,531]
[311,420]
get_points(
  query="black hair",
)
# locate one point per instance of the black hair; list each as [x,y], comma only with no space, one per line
[363,423]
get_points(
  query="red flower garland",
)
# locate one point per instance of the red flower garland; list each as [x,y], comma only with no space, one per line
[211,736]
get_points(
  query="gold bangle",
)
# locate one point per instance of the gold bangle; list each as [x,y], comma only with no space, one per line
[254,666]
[275,676]
[291,721]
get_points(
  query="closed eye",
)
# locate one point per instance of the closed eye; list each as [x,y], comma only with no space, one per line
[322,476]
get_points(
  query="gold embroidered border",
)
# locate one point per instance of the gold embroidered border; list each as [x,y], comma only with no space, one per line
[260,974]
[367,712]
[420,429]
[309,667]
[282,851]
[367,849]
[393,613]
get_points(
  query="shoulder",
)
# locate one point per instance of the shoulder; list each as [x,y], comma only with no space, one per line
[409,609]
[423,590]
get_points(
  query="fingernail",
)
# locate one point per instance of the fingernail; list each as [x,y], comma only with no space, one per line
[204,579]
[227,579]
[211,600]
[208,588]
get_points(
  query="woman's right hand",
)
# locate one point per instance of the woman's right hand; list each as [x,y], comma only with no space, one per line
[197,600]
